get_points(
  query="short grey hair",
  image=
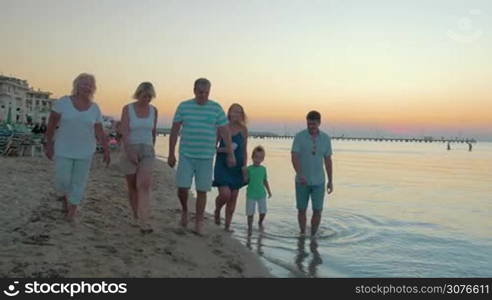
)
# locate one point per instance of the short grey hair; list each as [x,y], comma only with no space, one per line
[144,87]
[80,77]
[202,82]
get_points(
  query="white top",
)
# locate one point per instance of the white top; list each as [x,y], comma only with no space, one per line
[140,128]
[75,138]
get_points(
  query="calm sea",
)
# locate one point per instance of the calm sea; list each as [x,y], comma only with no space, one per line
[398,210]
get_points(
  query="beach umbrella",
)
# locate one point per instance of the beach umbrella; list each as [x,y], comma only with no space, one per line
[9,115]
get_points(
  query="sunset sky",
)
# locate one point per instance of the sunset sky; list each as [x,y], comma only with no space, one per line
[377,67]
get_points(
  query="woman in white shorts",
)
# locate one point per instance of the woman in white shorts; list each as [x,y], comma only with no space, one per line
[138,130]
[77,121]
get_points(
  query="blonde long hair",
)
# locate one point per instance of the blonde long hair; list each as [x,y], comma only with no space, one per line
[244,119]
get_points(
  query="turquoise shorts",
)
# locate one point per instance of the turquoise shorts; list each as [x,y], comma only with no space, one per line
[71,177]
[315,192]
[200,169]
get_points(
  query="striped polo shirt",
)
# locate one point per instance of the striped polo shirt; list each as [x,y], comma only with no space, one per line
[199,128]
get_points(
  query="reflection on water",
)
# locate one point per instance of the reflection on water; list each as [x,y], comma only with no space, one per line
[314,258]
[398,210]
[259,244]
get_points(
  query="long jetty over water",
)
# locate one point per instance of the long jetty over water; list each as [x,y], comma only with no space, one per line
[162,131]
[377,139]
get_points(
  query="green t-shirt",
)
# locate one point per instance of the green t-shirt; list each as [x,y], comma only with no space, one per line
[256,186]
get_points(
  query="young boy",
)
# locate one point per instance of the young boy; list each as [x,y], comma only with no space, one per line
[257,182]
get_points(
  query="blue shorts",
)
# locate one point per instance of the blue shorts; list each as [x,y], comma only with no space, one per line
[201,169]
[304,192]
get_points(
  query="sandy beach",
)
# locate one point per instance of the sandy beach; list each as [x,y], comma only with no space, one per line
[37,242]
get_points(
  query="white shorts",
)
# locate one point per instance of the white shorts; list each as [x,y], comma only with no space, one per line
[251,206]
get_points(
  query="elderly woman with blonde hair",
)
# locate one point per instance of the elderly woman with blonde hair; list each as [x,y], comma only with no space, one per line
[74,124]
[138,133]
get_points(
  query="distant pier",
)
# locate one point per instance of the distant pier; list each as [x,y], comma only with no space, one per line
[373,139]
[165,132]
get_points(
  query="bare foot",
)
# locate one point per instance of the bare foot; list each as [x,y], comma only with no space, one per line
[71,211]
[134,222]
[217,217]
[72,221]
[198,229]
[147,229]
[64,201]
[184,219]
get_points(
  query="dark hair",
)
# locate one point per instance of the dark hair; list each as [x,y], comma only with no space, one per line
[257,149]
[313,116]
[200,82]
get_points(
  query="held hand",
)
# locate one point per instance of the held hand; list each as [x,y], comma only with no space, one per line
[107,158]
[171,160]
[329,187]
[231,160]
[244,170]
[49,151]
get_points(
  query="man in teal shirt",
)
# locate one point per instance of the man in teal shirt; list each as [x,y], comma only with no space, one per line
[200,119]
[310,150]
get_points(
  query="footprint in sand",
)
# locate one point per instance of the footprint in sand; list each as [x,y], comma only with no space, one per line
[236,266]
[217,252]
[168,251]
[179,231]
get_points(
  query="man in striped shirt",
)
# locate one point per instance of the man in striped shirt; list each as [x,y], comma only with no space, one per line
[200,119]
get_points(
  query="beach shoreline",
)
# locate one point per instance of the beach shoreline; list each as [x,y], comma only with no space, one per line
[38,242]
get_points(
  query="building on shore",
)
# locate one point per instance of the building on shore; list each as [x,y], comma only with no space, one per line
[26,105]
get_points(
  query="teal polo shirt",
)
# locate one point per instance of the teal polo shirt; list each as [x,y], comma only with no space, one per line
[311,153]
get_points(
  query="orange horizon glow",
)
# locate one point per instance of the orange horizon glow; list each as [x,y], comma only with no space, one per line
[359,64]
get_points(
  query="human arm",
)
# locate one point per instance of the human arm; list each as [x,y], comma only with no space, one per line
[103,141]
[329,166]
[220,149]
[296,162]
[244,168]
[125,132]
[171,158]
[225,134]
[329,173]
[267,186]
[297,168]
[53,121]
[154,130]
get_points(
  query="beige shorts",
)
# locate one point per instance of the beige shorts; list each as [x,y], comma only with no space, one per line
[145,158]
